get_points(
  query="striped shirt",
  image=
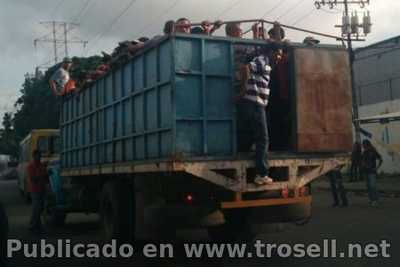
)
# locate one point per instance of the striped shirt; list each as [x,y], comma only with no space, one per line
[257,89]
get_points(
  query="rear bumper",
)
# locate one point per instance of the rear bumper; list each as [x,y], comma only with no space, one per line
[265,202]
[258,212]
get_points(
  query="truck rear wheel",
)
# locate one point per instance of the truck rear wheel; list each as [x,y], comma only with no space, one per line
[236,228]
[116,210]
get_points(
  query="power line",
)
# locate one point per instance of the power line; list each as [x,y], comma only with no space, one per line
[290,9]
[82,11]
[56,30]
[229,8]
[303,17]
[166,11]
[100,35]
[273,8]
[331,12]
[59,4]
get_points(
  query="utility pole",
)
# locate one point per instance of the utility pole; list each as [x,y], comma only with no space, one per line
[59,36]
[350,29]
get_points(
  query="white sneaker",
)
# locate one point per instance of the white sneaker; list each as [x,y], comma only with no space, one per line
[374,203]
[263,180]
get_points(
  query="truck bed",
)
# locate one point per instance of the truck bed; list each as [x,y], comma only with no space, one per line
[302,169]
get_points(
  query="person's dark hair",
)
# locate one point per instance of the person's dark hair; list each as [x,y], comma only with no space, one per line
[182,19]
[169,27]
[197,30]
[36,153]
[230,27]
[367,144]
[143,39]
[271,32]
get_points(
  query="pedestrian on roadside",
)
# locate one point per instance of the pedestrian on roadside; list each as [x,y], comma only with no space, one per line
[337,188]
[39,179]
[369,168]
[355,173]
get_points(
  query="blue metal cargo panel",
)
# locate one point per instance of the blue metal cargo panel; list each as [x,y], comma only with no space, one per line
[127,85]
[138,73]
[108,89]
[171,100]
[118,84]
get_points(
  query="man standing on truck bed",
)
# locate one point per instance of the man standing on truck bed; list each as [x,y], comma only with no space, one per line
[253,100]
[37,174]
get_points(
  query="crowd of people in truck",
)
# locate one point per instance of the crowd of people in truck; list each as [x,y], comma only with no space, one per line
[62,83]
[257,71]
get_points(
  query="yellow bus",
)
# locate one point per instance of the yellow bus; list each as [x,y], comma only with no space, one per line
[45,140]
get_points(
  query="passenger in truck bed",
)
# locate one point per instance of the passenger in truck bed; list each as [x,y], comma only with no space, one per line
[183,25]
[169,27]
[207,27]
[61,82]
[277,33]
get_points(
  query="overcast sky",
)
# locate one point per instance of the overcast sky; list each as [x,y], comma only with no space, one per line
[103,23]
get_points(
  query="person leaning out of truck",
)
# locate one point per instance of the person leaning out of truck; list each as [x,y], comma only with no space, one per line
[61,82]
[183,25]
[39,180]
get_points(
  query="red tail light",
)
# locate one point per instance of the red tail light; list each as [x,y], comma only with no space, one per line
[189,199]
[303,191]
[285,192]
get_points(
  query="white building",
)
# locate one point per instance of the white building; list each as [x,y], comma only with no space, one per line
[377,76]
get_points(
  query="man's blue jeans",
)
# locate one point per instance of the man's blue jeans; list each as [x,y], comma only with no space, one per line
[337,187]
[373,193]
[38,199]
[253,130]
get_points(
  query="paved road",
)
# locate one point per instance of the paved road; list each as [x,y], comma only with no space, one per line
[358,223]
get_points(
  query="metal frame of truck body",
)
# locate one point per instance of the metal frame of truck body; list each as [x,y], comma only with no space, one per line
[315,165]
[233,41]
[301,169]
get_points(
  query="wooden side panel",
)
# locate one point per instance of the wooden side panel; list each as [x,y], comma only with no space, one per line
[323,100]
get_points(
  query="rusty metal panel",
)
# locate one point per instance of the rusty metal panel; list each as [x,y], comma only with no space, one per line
[323,100]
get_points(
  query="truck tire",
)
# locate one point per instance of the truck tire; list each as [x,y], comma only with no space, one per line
[237,228]
[116,211]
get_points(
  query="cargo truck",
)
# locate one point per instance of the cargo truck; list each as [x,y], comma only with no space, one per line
[153,145]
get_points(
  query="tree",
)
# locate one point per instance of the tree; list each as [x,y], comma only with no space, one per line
[8,139]
[37,107]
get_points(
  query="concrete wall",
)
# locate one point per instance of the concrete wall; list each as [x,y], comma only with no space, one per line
[386,137]
[377,72]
